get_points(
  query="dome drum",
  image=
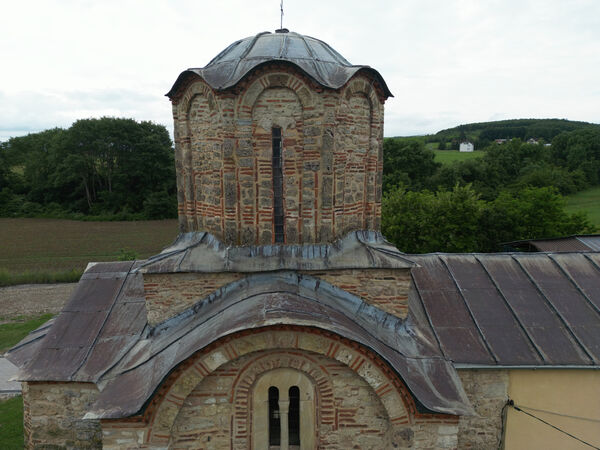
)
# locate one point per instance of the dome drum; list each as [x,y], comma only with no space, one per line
[295,93]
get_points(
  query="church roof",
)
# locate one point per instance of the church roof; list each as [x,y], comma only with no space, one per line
[516,309]
[314,57]
[465,310]
[202,252]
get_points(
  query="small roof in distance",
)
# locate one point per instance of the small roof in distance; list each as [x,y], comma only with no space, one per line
[576,243]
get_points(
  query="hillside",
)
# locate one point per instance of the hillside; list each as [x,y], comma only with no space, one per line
[484,133]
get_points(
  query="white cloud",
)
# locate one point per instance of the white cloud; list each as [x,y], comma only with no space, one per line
[447,62]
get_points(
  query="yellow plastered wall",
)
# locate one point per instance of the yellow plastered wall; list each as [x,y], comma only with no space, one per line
[573,397]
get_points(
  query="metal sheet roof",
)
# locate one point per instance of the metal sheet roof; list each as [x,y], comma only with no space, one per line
[283,298]
[513,309]
[313,56]
[578,243]
[202,252]
[494,310]
[121,353]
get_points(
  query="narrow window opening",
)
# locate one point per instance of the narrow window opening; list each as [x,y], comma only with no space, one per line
[274,418]
[277,185]
[294,415]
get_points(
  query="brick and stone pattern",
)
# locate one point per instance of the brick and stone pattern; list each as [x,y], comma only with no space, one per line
[207,401]
[385,288]
[351,414]
[53,416]
[487,391]
[332,157]
[169,294]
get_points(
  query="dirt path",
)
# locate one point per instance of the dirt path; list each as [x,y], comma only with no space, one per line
[34,299]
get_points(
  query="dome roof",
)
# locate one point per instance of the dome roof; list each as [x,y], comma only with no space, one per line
[316,58]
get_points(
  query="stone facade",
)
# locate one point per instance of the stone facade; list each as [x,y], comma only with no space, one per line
[53,416]
[488,392]
[207,402]
[169,294]
[332,157]
[385,288]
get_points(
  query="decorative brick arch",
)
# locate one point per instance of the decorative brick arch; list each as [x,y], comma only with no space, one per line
[275,79]
[186,183]
[361,87]
[197,87]
[163,409]
[300,361]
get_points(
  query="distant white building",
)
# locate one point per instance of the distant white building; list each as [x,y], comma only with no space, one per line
[466,146]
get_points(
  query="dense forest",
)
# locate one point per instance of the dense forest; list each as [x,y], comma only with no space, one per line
[514,191]
[120,169]
[98,169]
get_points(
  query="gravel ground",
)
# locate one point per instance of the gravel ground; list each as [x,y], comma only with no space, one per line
[33,299]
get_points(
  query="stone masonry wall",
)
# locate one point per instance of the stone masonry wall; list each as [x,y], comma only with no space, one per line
[385,288]
[53,416]
[169,294]
[208,401]
[355,418]
[332,158]
[488,391]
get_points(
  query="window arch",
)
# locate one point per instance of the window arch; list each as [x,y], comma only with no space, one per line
[283,411]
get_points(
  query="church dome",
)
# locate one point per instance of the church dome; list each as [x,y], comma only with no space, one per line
[314,57]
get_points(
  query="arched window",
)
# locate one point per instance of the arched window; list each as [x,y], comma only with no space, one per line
[283,411]
[294,416]
[274,417]
[277,166]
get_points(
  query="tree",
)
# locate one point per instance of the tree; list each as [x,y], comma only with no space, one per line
[100,166]
[407,162]
[459,221]
[579,150]
[532,213]
[422,222]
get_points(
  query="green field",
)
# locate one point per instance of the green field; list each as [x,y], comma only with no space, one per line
[51,245]
[17,328]
[11,423]
[588,201]
[449,156]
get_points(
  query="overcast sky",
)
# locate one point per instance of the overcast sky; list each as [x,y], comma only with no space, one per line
[447,62]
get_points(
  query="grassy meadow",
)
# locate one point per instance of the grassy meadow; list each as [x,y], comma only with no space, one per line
[38,250]
[11,423]
[587,201]
[449,156]
[17,328]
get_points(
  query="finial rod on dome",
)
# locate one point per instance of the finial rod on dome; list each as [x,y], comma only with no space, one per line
[281,22]
[281,29]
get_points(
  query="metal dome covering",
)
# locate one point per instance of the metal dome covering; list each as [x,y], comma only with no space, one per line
[313,56]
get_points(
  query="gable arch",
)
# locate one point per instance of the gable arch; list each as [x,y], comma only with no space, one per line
[360,85]
[358,144]
[199,104]
[395,398]
[275,79]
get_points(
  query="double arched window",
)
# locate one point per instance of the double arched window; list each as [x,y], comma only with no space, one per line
[283,413]
[284,418]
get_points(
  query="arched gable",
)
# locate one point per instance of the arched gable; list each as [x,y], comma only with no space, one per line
[396,399]
[198,136]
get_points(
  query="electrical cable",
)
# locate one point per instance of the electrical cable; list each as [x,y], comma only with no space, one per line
[559,414]
[512,403]
[503,425]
